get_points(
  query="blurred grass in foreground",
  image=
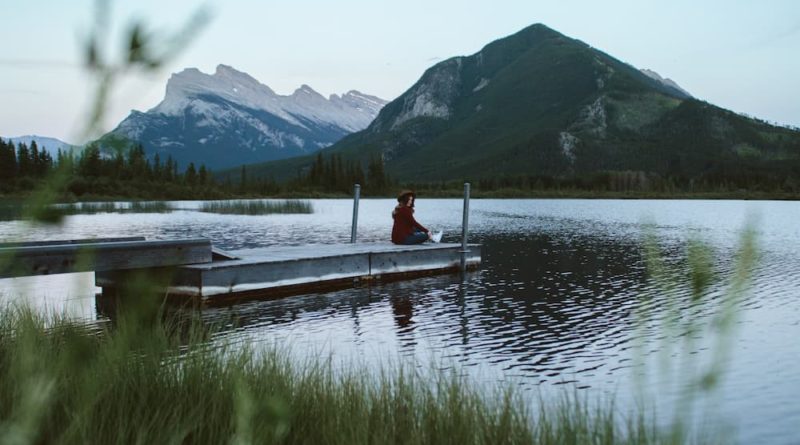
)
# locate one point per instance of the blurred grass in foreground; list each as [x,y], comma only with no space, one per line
[691,307]
[62,382]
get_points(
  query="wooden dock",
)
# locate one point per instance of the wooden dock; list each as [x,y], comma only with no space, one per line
[193,270]
[286,270]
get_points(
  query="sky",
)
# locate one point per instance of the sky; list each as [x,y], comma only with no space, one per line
[741,55]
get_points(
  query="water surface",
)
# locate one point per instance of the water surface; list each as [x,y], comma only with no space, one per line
[552,307]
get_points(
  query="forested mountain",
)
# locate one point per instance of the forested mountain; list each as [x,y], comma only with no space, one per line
[540,106]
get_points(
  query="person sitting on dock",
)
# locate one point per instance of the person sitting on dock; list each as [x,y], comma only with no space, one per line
[406,229]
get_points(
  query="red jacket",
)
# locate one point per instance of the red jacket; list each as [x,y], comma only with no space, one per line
[404,224]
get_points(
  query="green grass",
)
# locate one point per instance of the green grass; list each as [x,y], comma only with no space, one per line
[257,207]
[136,382]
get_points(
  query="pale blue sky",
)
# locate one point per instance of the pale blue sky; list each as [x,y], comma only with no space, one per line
[741,55]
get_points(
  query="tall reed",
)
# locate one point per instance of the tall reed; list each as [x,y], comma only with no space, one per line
[257,207]
[164,382]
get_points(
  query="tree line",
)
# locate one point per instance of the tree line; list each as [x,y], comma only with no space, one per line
[92,172]
[334,174]
[130,173]
[23,161]
[724,180]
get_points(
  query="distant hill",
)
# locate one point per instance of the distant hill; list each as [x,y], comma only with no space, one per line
[52,145]
[229,118]
[538,103]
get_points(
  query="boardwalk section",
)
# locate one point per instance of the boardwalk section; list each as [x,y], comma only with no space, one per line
[109,254]
[285,270]
[193,270]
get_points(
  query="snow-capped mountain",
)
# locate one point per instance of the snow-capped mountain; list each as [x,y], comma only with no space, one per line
[52,145]
[229,118]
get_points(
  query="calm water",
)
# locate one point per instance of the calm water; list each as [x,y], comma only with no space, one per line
[552,306]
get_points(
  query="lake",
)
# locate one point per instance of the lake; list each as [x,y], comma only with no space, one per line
[552,308]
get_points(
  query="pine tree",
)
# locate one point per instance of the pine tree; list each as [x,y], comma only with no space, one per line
[376,176]
[137,163]
[8,162]
[118,169]
[46,163]
[191,175]
[90,164]
[23,160]
[36,161]
[317,171]
[66,160]
[340,179]
[243,180]
[158,174]
[202,176]
[169,169]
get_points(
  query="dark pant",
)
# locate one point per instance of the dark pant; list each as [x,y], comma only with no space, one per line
[416,238]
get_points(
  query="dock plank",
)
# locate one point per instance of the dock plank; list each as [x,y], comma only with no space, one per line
[67,257]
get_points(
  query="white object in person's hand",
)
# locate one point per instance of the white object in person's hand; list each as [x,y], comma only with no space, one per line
[437,237]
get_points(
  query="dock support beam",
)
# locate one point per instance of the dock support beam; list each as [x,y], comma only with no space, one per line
[356,195]
[464,228]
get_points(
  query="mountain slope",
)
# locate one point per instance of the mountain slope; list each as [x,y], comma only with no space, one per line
[229,118]
[541,103]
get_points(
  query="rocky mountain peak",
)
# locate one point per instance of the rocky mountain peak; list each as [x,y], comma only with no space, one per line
[665,81]
[231,110]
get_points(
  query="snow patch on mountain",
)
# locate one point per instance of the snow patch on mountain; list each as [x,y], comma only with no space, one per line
[481,85]
[592,119]
[568,142]
[229,118]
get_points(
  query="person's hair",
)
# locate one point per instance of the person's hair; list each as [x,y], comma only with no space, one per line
[402,198]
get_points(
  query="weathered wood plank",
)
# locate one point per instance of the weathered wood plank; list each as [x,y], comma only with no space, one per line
[102,256]
[70,241]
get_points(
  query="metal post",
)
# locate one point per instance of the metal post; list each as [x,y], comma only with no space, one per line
[356,195]
[464,228]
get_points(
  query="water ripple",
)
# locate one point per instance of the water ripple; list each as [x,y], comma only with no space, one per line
[562,297]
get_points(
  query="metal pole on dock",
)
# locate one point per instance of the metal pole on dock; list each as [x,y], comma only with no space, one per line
[464,228]
[356,195]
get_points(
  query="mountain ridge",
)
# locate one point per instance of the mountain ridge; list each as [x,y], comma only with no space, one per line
[229,118]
